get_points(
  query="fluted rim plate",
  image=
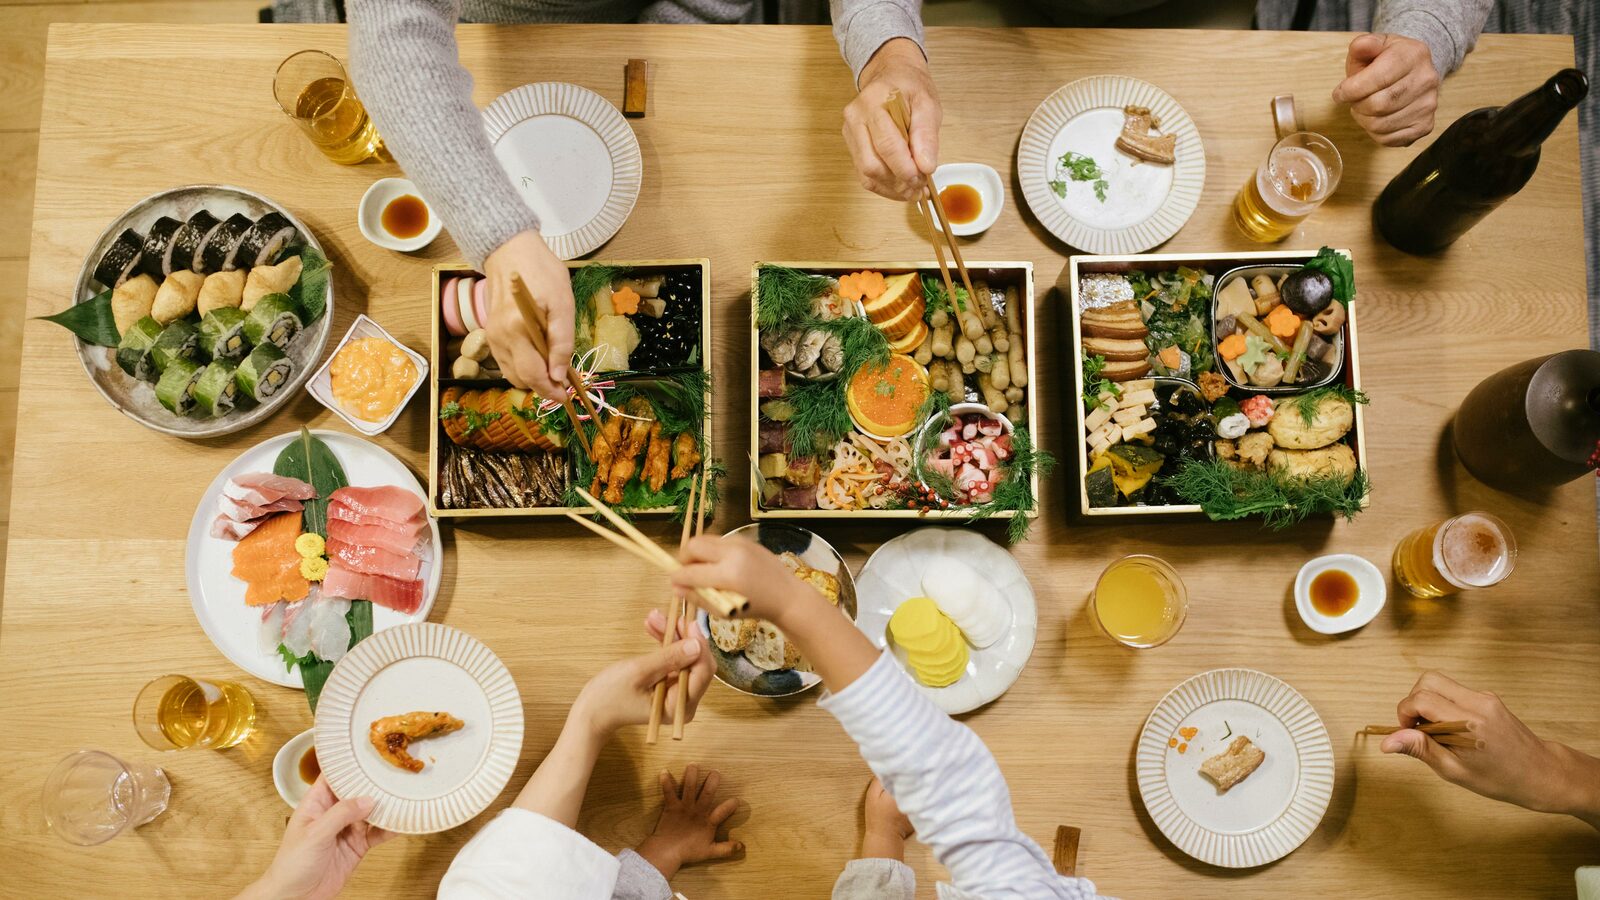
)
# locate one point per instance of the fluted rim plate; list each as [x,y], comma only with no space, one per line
[1135,228]
[421,667]
[1262,818]
[572,157]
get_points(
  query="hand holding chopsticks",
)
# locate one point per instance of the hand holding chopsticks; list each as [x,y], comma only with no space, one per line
[1450,734]
[681,616]
[931,206]
[538,329]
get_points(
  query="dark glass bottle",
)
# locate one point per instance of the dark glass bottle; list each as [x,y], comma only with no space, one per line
[1475,165]
[1534,425]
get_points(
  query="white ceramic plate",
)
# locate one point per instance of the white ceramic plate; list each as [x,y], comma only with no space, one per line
[218,597]
[893,575]
[369,216]
[572,156]
[1146,203]
[137,399]
[1270,813]
[426,666]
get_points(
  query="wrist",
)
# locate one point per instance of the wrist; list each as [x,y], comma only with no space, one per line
[893,52]
[1575,790]
[263,888]
[585,721]
[660,855]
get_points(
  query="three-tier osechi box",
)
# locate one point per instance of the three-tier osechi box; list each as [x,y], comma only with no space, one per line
[643,337]
[1227,384]
[877,393]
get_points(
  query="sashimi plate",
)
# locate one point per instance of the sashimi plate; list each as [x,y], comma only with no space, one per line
[218,597]
[421,667]
[893,575]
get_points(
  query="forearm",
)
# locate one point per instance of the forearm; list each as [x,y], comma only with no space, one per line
[1450,28]
[836,649]
[863,26]
[1579,791]
[557,787]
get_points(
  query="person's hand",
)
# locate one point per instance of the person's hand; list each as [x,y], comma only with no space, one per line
[1515,765]
[1391,86]
[686,832]
[621,693]
[884,163]
[526,255]
[747,568]
[324,842]
[887,828]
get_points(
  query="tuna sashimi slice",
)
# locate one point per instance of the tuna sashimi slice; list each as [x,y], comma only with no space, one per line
[374,560]
[387,502]
[400,596]
[407,528]
[374,536]
[261,488]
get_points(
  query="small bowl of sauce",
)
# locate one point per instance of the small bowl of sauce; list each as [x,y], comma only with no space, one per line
[369,378]
[295,768]
[1339,593]
[394,216]
[972,195]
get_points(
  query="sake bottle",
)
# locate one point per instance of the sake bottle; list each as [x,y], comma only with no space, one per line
[1482,159]
[1533,426]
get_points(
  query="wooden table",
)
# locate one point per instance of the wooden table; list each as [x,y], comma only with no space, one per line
[744,162]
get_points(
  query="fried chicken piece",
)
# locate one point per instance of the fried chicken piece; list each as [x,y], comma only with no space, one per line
[657,458]
[685,456]
[626,461]
[391,735]
[606,442]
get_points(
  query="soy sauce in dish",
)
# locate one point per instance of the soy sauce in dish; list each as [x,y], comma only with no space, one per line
[1334,592]
[406,216]
[309,767]
[962,204]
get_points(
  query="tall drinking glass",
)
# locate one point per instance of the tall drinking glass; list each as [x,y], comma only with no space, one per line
[1139,602]
[1472,550]
[312,89]
[1302,170]
[175,712]
[91,797]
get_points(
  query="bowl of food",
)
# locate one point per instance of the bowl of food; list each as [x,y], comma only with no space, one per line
[752,656]
[968,448]
[1277,329]
[393,215]
[295,767]
[972,195]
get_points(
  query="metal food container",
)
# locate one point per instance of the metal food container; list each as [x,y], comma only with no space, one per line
[1275,270]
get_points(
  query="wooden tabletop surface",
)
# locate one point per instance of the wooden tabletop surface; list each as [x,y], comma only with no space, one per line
[744,161]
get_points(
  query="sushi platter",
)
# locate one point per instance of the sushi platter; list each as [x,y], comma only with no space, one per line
[643,343]
[201,309]
[873,395]
[1226,384]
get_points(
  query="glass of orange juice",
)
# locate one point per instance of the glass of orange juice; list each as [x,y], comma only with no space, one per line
[175,712]
[1139,602]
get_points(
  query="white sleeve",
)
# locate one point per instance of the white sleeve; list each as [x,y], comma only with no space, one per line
[521,854]
[947,782]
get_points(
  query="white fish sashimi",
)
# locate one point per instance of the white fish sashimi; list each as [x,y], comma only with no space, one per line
[297,627]
[270,633]
[330,630]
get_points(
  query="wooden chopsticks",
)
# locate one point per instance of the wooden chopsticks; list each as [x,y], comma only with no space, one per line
[900,112]
[693,523]
[1450,734]
[538,329]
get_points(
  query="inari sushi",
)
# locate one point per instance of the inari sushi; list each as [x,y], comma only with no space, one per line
[222,334]
[220,290]
[264,280]
[175,390]
[133,352]
[177,296]
[215,392]
[132,300]
[177,341]
[121,259]
[273,320]
[262,373]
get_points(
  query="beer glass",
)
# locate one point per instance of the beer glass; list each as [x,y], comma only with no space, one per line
[1472,550]
[1301,172]
[175,712]
[1139,602]
[91,797]
[312,89]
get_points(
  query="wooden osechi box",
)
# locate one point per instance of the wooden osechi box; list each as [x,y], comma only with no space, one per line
[999,276]
[698,273]
[1219,265]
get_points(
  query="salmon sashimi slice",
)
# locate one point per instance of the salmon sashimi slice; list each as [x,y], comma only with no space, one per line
[407,528]
[266,561]
[387,502]
[401,596]
[375,560]
[373,536]
[261,488]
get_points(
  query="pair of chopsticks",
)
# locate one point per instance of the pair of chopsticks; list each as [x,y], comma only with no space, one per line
[900,112]
[1450,734]
[694,520]
[538,329]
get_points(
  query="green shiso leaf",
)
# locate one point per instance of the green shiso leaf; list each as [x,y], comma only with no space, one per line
[90,320]
[1339,269]
[310,293]
[309,459]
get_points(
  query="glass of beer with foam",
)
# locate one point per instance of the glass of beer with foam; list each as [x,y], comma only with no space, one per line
[1472,550]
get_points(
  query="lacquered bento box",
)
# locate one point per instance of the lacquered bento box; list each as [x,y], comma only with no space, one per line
[1341,355]
[691,277]
[1003,280]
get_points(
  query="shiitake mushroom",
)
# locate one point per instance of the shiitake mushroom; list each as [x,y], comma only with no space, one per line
[1307,291]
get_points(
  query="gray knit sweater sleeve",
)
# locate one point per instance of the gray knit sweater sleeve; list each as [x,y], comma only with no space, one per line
[862,26]
[1449,27]
[407,72]
[637,879]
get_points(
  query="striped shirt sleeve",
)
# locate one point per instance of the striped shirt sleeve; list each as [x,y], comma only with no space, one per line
[947,782]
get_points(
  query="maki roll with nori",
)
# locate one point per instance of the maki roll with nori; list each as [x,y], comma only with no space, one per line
[262,373]
[273,320]
[215,391]
[157,240]
[184,251]
[222,333]
[133,352]
[217,251]
[261,245]
[175,390]
[121,260]
[177,341]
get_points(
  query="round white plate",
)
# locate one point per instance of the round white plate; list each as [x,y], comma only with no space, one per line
[137,399]
[432,667]
[572,156]
[1267,815]
[1146,203]
[893,575]
[218,597]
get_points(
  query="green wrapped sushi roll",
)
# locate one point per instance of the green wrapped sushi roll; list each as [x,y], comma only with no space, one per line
[222,333]
[133,352]
[178,341]
[175,390]
[215,392]
[262,373]
[273,320]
